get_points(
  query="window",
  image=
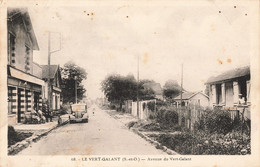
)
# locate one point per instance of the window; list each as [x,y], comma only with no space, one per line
[242,88]
[11,100]
[27,100]
[219,93]
[27,59]
[11,49]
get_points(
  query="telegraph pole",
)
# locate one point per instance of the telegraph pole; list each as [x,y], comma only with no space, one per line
[180,108]
[75,89]
[49,70]
[137,86]
[49,74]
[181,81]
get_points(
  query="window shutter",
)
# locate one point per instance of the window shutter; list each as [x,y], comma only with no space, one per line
[236,92]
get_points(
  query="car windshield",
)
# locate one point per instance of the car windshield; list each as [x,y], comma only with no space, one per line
[78,107]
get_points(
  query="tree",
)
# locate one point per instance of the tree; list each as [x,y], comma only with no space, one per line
[69,73]
[171,89]
[118,88]
[145,89]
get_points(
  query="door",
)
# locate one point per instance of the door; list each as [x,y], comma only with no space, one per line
[19,105]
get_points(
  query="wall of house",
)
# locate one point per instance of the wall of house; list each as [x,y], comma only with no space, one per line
[203,100]
[230,93]
[37,70]
[18,29]
[143,109]
[212,95]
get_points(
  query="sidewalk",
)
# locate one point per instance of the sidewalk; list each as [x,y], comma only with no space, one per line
[35,128]
[38,131]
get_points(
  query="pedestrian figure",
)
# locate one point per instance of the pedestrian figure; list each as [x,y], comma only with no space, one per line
[45,110]
[51,115]
[93,111]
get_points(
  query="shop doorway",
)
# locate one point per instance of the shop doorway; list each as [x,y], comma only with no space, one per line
[19,112]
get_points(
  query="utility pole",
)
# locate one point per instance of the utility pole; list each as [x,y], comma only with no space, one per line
[49,75]
[75,89]
[180,109]
[137,86]
[49,70]
[181,81]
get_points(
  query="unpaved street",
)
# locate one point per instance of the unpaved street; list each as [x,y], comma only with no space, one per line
[102,135]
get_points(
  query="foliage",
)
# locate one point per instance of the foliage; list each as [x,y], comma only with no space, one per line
[69,73]
[152,127]
[119,88]
[14,137]
[215,133]
[171,89]
[215,121]
[180,142]
[131,124]
[145,91]
[151,106]
[207,144]
[65,109]
[167,117]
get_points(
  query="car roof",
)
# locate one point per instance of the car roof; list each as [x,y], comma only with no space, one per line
[81,104]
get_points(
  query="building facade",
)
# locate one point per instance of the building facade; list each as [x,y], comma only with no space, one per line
[55,79]
[24,87]
[231,90]
[194,98]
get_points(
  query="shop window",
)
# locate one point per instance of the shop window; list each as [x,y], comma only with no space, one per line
[27,101]
[10,100]
[36,101]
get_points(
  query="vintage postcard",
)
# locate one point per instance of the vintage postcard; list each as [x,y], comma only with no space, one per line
[129,83]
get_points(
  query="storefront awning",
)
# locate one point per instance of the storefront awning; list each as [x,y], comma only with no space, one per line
[26,77]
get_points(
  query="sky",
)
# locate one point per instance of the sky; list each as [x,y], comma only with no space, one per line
[207,39]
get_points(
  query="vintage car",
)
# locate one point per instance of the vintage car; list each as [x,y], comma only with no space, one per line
[79,113]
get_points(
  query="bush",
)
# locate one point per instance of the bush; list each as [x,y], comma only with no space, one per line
[65,109]
[14,137]
[152,127]
[11,134]
[181,142]
[151,106]
[218,121]
[167,117]
[131,124]
[207,144]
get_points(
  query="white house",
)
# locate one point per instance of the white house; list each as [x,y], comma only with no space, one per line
[196,98]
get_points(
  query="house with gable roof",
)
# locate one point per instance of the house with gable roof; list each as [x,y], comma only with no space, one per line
[24,81]
[55,78]
[197,98]
[231,90]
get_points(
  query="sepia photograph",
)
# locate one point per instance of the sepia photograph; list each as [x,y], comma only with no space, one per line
[144,81]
